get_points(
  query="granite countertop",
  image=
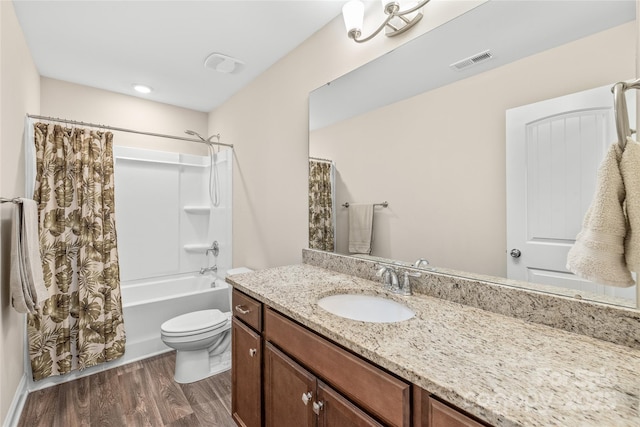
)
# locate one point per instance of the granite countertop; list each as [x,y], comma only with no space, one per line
[503,370]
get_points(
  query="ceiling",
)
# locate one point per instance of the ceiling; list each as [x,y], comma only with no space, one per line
[113,44]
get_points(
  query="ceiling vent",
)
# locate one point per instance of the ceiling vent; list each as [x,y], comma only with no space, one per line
[223,63]
[472,60]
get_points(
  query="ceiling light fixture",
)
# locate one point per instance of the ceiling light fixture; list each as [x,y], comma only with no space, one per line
[142,88]
[399,17]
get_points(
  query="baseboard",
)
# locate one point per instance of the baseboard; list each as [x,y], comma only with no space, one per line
[19,399]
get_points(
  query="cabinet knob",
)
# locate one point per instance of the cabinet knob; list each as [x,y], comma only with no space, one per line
[306,397]
[252,352]
[317,407]
[241,310]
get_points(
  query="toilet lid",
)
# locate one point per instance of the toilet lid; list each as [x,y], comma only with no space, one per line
[194,321]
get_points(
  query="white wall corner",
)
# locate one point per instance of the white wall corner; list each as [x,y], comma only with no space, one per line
[17,404]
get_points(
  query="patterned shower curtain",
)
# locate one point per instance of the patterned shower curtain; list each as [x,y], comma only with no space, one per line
[321,221]
[81,322]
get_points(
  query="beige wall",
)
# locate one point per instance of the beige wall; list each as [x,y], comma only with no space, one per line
[19,93]
[268,124]
[87,104]
[441,164]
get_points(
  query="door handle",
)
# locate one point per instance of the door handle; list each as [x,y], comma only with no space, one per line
[515,253]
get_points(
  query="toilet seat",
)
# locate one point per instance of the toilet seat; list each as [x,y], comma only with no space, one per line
[195,323]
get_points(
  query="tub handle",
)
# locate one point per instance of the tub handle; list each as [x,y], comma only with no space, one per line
[252,352]
[241,310]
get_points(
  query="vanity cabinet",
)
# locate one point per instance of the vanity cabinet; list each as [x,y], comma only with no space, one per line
[246,361]
[380,394]
[295,397]
[284,374]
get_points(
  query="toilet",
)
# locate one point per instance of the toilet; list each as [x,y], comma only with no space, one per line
[202,341]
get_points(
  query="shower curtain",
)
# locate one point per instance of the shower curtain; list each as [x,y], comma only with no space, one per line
[321,204]
[81,322]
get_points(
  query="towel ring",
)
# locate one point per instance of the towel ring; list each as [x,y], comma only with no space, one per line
[621,111]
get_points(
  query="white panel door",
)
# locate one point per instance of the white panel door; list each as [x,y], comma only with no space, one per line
[554,148]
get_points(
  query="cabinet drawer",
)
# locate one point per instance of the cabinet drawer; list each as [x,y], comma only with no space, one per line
[247,309]
[383,395]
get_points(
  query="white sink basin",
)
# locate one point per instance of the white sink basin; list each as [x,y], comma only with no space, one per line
[366,308]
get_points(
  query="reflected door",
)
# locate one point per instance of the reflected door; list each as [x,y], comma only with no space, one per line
[554,149]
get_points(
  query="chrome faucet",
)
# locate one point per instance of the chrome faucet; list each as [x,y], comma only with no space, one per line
[421,262]
[389,278]
[213,268]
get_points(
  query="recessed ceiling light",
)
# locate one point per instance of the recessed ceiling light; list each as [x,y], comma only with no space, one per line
[142,88]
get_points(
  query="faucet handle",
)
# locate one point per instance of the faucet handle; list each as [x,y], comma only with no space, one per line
[407,274]
[406,284]
[389,277]
[382,270]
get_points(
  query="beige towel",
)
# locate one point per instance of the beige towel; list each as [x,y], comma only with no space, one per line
[360,229]
[598,254]
[28,291]
[630,170]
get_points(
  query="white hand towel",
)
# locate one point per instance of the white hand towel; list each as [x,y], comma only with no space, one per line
[360,229]
[630,170]
[28,290]
[598,254]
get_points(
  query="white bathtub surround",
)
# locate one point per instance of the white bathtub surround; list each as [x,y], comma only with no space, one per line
[166,223]
[165,218]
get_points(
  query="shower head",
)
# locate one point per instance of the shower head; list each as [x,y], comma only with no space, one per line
[193,133]
[208,140]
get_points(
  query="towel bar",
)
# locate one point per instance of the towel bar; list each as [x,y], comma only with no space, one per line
[383,204]
[14,200]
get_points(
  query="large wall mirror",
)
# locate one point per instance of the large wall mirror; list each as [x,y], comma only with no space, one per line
[429,137]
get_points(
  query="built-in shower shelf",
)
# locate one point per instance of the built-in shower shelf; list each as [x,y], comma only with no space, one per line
[197,247]
[202,210]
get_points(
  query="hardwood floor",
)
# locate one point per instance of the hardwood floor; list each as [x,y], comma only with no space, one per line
[138,394]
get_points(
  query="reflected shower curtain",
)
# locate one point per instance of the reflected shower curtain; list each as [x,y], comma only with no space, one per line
[81,322]
[321,218]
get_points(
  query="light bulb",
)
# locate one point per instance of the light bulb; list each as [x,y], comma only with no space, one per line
[353,14]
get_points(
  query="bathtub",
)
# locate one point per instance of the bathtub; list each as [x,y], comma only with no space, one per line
[147,305]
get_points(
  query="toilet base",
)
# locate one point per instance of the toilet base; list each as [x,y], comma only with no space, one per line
[196,365]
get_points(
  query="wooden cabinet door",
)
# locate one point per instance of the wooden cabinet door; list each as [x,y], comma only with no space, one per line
[289,391]
[335,410]
[246,375]
[441,415]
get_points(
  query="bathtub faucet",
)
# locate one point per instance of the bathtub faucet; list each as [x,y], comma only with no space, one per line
[207,269]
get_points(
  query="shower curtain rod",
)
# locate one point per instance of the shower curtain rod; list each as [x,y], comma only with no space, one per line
[139,132]
[320,159]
